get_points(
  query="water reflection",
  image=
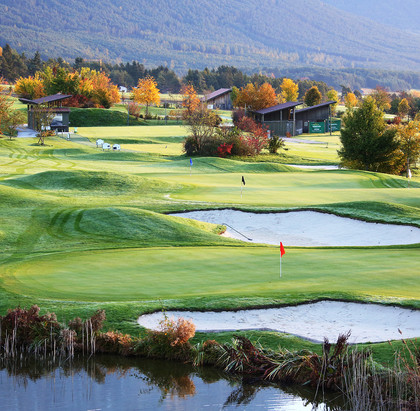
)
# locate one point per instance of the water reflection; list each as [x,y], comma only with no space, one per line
[117,383]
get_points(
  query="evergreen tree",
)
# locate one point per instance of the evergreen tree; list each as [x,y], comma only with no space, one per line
[313,96]
[35,64]
[367,142]
[12,65]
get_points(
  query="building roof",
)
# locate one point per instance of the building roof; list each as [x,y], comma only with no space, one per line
[279,107]
[216,93]
[327,103]
[47,99]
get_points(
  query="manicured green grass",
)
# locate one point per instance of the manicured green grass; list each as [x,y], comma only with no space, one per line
[82,229]
[238,272]
[134,133]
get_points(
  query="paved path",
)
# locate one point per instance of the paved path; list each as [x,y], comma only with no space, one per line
[302,141]
[25,132]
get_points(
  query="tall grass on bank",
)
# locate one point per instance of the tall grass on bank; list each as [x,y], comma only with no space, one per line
[365,384]
[369,386]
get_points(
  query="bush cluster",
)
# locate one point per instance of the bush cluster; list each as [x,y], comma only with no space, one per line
[210,138]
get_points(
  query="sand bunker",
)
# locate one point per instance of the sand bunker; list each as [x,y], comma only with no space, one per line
[367,322]
[306,228]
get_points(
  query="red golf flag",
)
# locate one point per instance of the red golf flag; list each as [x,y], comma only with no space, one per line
[282,252]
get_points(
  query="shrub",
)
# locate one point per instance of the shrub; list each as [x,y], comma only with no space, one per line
[237,116]
[257,139]
[114,343]
[246,124]
[177,331]
[224,150]
[274,143]
[171,342]
[28,327]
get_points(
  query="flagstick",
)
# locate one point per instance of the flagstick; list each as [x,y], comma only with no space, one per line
[190,169]
[280,264]
[241,190]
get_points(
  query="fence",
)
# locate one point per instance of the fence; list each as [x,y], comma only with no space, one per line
[280,128]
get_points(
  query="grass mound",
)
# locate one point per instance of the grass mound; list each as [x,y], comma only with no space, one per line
[86,181]
[137,227]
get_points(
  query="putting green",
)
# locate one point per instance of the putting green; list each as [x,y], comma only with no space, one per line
[153,273]
[295,188]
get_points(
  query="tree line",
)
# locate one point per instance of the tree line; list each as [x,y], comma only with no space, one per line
[14,65]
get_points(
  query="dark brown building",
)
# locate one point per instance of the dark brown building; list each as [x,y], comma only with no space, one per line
[318,113]
[62,114]
[280,119]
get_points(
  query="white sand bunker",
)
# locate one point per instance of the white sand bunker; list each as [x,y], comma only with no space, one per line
[367,322]
[306,228]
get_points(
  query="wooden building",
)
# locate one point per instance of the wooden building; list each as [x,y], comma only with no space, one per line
[280,119]
[319,113]
[219,99]
[60,122]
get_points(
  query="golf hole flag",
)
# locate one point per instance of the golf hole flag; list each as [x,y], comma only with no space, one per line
[242,184]
[282,253]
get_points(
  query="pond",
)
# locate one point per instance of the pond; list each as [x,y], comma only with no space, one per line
[118,383]
[306,228]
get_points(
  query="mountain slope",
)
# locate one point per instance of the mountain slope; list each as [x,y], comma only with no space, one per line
[403,14]
[189,33]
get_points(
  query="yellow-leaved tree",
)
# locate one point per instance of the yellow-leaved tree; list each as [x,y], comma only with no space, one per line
[350,101]
[30,87]
[289,90]
[146,92]
[332,95]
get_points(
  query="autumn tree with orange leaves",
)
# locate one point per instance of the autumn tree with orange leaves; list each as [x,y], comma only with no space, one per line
[190,100]
[255,97]
[86,86]
[146,92]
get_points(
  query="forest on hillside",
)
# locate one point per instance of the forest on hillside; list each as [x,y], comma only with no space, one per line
[14,65]
[198,33]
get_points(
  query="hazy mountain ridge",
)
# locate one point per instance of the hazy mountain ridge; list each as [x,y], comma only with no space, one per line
[403,14]
[192,33]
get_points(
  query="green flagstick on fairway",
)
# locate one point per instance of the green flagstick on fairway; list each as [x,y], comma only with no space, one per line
[242,184]
[191,163]
[282,252]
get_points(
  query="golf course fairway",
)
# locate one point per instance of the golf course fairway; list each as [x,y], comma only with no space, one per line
[83,229]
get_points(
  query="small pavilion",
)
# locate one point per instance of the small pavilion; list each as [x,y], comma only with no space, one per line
[60,122]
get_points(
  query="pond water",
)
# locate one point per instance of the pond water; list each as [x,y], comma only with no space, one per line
[118,383]
[305,228]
